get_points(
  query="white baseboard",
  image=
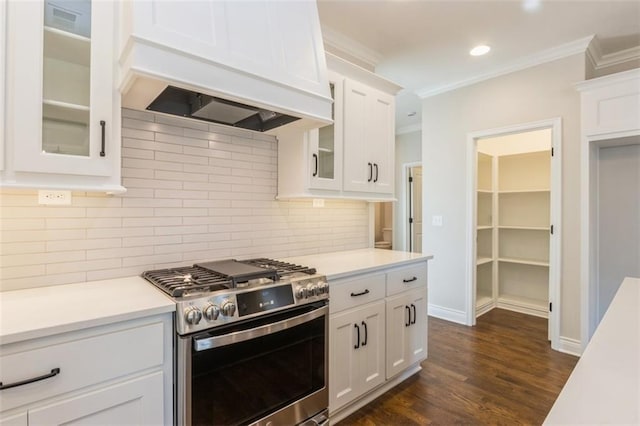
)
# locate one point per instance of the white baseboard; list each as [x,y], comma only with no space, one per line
[448,314]
[570,346]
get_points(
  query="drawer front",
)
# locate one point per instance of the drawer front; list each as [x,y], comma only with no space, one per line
[406,278]
[352,292]
[83,362]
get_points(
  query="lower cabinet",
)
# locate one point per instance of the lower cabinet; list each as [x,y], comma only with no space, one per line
[406,330]
[377,331]
[114,374]
[357,353]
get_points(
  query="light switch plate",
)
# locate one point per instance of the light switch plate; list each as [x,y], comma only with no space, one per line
[436,220]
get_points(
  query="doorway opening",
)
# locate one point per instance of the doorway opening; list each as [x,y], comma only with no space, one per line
[613,238]
[414,208]
[514,222]
[383,227]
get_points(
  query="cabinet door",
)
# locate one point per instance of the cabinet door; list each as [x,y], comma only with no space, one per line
[136,401]
[356,360]
[372,349]
[61,87]
[358,164]
[325,143]
[344,385]
[406,330]
[368,139]
[382,140]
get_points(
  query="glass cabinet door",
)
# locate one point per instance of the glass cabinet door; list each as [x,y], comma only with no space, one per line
[66,77]
[326,143]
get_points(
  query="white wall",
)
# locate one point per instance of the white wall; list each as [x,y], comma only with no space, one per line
[195,192]
[533,94]
[408,150]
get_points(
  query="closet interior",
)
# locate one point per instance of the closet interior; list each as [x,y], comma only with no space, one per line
[513,223]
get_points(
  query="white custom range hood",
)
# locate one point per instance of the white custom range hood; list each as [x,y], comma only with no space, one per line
[255,64]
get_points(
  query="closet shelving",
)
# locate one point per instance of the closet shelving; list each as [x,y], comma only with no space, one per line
[513,232]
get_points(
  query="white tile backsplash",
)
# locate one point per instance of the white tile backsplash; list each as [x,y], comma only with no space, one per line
[195,191]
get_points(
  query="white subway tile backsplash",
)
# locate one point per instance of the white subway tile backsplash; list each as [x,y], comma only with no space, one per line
[195,192]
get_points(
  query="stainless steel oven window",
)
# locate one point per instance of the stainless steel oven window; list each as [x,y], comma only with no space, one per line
[270,369]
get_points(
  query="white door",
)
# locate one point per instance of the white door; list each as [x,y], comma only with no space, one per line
[618,220]
[344,385]
[415,213]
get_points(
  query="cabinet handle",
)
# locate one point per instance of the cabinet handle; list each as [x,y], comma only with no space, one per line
[407,322]
[315,158]
[54,372]
[376,167]
[414,313]
[370,172]
[102,124]
[362,293]
[364,324]
[412,279]
[357,345]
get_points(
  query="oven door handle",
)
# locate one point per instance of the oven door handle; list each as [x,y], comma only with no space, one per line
[202,344]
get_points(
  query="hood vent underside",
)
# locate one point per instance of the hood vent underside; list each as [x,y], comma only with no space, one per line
[186,103]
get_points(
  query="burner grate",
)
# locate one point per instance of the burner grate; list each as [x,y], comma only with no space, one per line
[282,268]
[178,282]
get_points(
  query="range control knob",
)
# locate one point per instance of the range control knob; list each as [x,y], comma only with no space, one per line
[228,309]
[313,290]
[192,315]
[211,312]
[323,287]
[301,292]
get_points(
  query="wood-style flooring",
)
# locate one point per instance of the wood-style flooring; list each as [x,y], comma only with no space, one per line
[502,371]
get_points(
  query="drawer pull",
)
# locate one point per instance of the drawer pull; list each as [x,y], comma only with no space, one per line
[409,280]
[54,372]
[362,293]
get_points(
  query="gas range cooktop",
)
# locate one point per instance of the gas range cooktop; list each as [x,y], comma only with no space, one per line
[215,293]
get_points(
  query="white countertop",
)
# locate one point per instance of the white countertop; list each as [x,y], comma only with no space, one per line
[345,263]
[604,387]
[44,311]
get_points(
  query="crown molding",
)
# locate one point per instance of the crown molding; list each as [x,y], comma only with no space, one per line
[549,55]
[409,129]
[617,58]
[351,47]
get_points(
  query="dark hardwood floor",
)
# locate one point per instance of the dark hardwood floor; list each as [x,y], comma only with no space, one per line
[502,371]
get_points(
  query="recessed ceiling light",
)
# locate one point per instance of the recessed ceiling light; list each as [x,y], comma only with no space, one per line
[531,5]
[479,50]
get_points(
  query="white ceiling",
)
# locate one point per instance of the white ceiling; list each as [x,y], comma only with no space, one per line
[424,45]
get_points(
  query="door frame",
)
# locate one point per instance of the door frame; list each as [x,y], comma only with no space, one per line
[555,124]
[589,169]
[406,206]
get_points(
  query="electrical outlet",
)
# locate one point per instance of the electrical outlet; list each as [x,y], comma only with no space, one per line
[51,197]
[318,202]
[436,220]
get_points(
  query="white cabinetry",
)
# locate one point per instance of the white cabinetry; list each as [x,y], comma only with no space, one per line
[378,331]
[114,374]
[63,110]
[354,157]
[369,131]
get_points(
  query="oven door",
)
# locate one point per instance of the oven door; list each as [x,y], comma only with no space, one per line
[269,369]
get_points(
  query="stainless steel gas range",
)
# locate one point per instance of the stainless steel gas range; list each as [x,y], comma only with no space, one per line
[251,342]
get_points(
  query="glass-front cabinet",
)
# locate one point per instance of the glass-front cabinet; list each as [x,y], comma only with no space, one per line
[63,107]
[325,143]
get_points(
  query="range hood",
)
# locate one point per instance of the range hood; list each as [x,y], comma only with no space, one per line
[257,65]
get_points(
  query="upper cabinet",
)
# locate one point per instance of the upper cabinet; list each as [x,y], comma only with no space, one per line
[354,157]
[62,107]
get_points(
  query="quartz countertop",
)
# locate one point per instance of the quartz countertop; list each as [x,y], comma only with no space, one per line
[345,263]
[604,387]
[39,312]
